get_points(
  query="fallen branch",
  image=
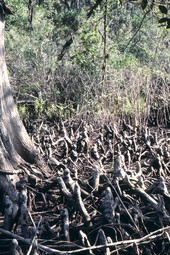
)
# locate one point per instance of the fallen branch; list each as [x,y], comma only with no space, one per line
[145,239]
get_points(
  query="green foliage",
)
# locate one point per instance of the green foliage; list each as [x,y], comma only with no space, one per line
[51,111]
[39,107]
[23,111]
[133,108]
[89,42]
[136,51]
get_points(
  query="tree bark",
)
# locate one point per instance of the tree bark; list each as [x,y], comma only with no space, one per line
[16,146]
[15,143]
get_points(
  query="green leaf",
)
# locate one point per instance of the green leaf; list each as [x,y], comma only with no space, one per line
[163,9]
[163,20]
[144,4]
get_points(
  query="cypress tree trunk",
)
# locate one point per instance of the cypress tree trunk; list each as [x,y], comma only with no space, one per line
[15,145]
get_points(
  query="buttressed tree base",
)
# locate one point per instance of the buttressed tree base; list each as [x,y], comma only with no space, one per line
[16,147]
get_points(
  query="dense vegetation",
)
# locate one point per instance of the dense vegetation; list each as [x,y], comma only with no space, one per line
[64,60]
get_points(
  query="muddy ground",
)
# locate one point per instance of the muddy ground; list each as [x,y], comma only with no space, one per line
[106,191]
